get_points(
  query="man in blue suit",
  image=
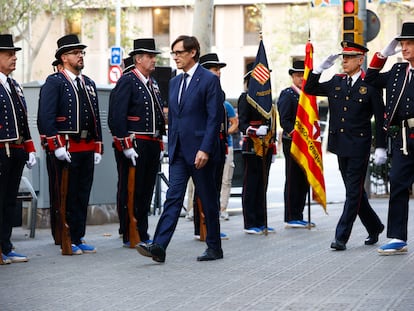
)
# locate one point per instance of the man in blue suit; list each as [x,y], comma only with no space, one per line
[194,116]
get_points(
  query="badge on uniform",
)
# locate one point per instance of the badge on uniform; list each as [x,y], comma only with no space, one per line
[90,90]
[363,90]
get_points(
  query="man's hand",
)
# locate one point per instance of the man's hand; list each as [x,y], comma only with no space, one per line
[31,161]
[380,156]
[62,154]
[131,154]
[201,159]
[97,158]
[390,49]
[262,130]
[327,63]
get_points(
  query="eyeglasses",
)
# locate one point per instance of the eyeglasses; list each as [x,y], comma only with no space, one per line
[177,53]
[77,53]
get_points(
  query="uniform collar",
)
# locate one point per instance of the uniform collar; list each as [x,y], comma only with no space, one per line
[355,76]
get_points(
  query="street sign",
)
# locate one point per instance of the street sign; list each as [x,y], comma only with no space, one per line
[373,25]
[116,56]
[115,72]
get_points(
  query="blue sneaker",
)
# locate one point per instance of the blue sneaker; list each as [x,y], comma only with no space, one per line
[15,257]
[224,236]
[76,250]
[394,247]
[5,259]
[253,230]
[312,224]
[126,244]
[296,224]
[269,229]
[86,248]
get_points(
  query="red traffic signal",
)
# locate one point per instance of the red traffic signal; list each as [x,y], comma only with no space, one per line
[349,6]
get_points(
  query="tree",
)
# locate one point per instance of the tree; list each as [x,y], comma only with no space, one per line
[203,23]
[17,16]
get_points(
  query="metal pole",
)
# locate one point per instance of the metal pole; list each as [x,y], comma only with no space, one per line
[118,23]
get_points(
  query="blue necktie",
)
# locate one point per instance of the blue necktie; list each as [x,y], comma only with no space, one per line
[183,88]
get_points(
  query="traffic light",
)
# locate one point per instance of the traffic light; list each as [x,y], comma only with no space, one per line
[352,26]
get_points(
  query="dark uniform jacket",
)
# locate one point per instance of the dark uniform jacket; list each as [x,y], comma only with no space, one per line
[59,111]
[394,81]
[13,118]
[132,110]
[350,114]
[287,106]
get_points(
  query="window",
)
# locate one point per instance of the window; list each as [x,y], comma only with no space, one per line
[161,26]
[252,24]
[73,24]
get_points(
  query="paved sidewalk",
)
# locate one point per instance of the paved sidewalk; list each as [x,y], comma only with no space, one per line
[293,269]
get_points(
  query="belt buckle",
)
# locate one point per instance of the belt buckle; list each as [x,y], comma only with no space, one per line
[84,134]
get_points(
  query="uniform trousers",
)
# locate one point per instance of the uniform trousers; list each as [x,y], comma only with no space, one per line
[401,180]
[122,164]
[81,170]
[147,167]
[54,192]
[255,189]
[11,169]
[353,171]
[296,185]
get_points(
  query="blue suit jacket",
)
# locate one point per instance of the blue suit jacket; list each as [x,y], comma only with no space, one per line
[196,123]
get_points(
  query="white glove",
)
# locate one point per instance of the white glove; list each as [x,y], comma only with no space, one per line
[273,158]
[131,154]
[327,63]
[380,156]
[390,49]
[62,154]
[31,161]
[262,130]
[161,155]
[97,158]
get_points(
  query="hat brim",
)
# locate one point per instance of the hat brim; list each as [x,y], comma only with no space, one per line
[8,48]
[400,38]
[143,51]
[210,64]
[66,48]
[292,70]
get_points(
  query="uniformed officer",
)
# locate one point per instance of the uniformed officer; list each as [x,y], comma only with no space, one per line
[296,183]
[399,83]
[252,125]
[69,123]
[138,125]
[352,102]
[16,146]
[122,162]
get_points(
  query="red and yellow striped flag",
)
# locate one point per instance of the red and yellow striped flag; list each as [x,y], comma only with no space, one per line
[306,140]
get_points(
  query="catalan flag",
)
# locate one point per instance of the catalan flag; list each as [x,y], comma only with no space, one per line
[259,94]
[306,140]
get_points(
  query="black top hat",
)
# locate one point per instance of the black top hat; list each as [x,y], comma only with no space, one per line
[128,64]
[407,32]
[211,60]
[352,48]
[144,46]
[249,69]
[297,66]
[56,62]
[68,43]
[6,43]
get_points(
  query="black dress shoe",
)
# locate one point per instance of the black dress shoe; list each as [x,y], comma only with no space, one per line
[373,237]
[153,250]
[338,245]
[210,254]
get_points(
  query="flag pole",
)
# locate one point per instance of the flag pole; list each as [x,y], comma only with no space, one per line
[309,209]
